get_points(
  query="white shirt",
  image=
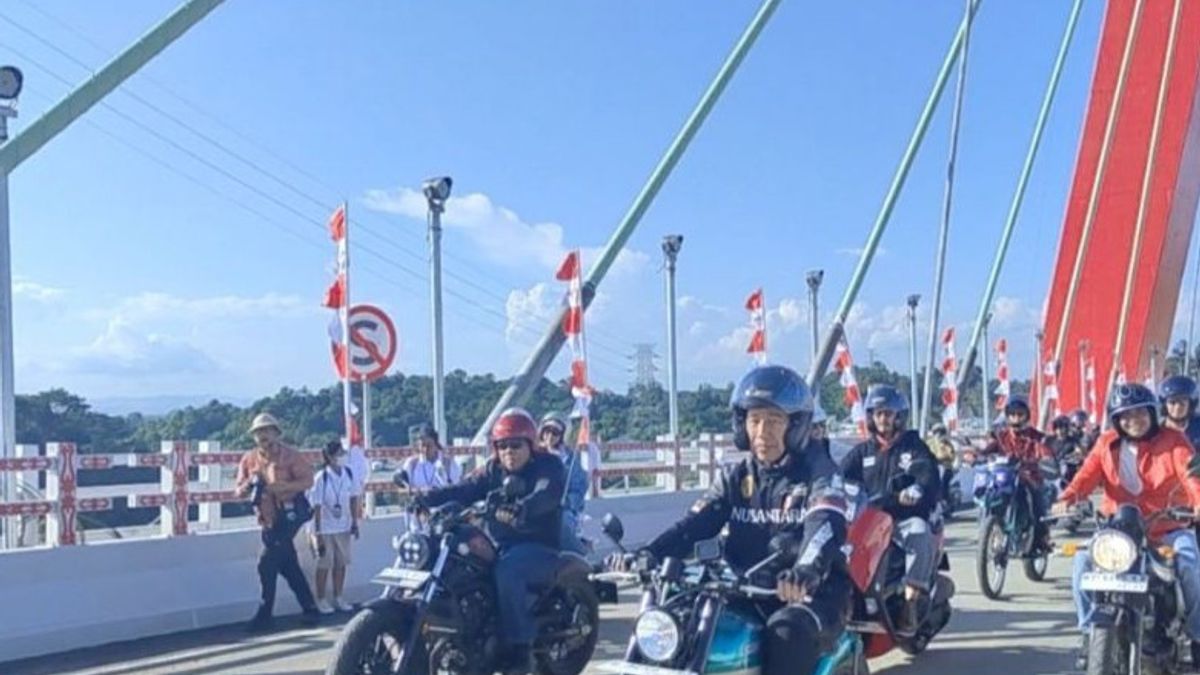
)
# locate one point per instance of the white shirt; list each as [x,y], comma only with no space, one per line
[425,475]
[331,492]
[1130,480]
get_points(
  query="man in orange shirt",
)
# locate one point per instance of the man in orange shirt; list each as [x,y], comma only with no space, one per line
[276,478]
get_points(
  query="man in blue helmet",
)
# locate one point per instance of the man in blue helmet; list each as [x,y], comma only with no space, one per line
[894,463]
[1178,398]
[765,495]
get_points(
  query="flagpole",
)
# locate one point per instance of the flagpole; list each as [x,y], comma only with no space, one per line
[344,315]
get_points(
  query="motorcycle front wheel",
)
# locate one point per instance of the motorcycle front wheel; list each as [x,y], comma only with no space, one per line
[990,559]
[575,607]
[373,642]
[1106,655]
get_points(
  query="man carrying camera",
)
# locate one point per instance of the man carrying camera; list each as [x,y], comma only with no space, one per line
[275,477]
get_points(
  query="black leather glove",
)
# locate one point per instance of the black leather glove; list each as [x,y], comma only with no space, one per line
[508,513]
[804,577]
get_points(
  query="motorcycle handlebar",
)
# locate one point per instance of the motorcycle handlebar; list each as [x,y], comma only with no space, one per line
[757,591]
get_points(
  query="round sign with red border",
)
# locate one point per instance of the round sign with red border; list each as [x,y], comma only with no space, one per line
[373,342]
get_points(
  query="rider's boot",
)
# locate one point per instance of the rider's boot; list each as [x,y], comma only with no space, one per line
[1195,655]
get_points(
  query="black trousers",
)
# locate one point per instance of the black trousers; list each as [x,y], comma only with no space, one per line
[278,558]
[798,636]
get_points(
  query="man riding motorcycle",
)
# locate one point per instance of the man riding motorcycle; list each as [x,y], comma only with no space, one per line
[1066,446]
[527,533]
[1083,430]
[1022,442]
[550,436]
[943,449]
[893,454]
[1143,463]
[1179,397]
[764,495]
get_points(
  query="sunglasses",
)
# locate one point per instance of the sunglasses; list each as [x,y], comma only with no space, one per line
[511,444]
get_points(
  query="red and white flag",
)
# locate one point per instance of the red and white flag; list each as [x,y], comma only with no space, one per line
[1089,378]
[1002,387]
[949,381]
[571,271]
[1050,400]
[337,298]
[758,324]
[844,365]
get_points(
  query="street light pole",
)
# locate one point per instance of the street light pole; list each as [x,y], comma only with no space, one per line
[670,246]
[912,353]
[8,412]
[814,286]
[437,191]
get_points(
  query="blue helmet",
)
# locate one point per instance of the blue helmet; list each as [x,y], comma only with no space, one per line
[1126,397]
[778,388]
[1179,385]
[885,397]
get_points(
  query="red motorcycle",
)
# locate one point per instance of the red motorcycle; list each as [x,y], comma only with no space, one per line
[877,568]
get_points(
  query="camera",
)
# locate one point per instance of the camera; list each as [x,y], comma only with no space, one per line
[258,487]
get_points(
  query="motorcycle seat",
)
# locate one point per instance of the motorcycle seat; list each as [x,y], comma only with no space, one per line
[569,565]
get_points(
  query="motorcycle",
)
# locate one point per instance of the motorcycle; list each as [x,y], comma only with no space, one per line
[877,568]
[1007,526]
[1083,511]
[1138,613]
[700,616]
[438,611]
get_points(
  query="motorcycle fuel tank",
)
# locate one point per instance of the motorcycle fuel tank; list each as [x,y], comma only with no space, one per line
[736,645]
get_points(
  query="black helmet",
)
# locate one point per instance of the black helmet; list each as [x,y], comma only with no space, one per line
[778,388]
[1060,422]
[1017,403]
[1080,418]
[424,430]
[885,397]
[1127,397]
[1179,385]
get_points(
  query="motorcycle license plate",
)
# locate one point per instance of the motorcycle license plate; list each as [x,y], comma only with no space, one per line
[1106,581]
[634,668]
[394,576]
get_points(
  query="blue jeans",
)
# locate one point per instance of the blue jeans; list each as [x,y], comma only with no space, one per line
[1187,571]
[519,570]
[569,539]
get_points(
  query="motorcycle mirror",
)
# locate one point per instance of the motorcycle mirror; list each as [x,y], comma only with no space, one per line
[400,478]
[707,550]
[512,487]
[612,527]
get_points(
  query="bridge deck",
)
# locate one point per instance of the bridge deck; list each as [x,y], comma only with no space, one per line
[1031,632]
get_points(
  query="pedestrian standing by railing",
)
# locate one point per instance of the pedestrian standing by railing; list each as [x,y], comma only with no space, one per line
[276,478]
[335,522]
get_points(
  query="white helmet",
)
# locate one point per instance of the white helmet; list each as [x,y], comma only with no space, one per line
[819,415]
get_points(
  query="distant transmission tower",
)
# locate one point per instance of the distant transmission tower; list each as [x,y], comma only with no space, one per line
[644,367]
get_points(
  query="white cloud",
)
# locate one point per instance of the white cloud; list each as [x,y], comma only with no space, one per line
[1013,313]
[783,319]
[499,233]
[30,290]
[527,309]
[121,350]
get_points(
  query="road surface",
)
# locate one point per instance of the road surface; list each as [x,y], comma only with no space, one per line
[1031,632]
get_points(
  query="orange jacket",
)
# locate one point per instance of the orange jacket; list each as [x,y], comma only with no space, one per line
[1027,445]
[1162,465]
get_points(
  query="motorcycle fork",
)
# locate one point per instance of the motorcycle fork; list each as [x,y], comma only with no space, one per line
[649,599]
[706,629]
[422,606]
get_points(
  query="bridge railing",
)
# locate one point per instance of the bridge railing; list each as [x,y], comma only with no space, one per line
[196,479]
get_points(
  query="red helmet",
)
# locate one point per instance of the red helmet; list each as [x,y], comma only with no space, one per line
[515,423]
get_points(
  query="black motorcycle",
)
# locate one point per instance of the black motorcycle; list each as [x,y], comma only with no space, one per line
[439,614]
[1138,613]
[702,616]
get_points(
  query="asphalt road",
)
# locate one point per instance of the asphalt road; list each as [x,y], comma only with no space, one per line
[1030,632]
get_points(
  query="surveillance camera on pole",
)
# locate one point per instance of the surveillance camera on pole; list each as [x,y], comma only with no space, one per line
[11,81]
[670,246]
[814,278]
[437,191]
[912,354]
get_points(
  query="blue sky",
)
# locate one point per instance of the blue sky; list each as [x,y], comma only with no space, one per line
[132,280]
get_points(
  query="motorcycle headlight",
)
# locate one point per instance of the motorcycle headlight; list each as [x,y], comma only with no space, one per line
[412,549]
[1113,551]
[657,635]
